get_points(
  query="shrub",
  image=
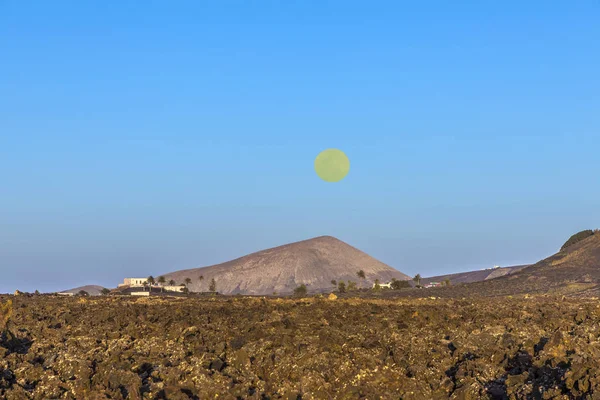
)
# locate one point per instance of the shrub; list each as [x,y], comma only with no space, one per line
[579,236]
[83,293]
[300,290]
[213,285]
[105,291]
[397,284]
[377,286]
[342,287]
[351,286]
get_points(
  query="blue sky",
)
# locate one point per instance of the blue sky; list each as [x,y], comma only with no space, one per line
[138,138]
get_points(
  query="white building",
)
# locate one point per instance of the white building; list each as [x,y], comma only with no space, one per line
[133,282]
[384,285]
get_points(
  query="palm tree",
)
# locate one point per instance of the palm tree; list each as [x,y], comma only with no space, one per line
[200,278]
[151,281]
[187,281]
[172,282]
[361,274]
[145,283]
[417,279]
[161,280]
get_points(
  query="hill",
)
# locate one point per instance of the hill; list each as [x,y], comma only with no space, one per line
[573,271]
[474,276]
[314,262]
[93,290]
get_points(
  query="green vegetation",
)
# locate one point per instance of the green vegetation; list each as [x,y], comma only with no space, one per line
[377,286]
[213,285]
[417,279]
[172,282]
[351,286]
[82,293]
[187,281]
[397,284]
[161,280]
[300,290]
[342,287]
[579,236]
[334,282]
[105,291]
[447,282]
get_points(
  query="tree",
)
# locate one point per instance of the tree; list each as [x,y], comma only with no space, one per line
[361,275]
[105,291]
[200,278]
[397,284]
[300,290]
[37,292]
[447,282]
[151,281]
[417,279]
[83,293]
[187,281]
[213,285]
[334,282]
[377,286]
[172,282]
[351,286]
[145,283]
[341,287]
[161,280]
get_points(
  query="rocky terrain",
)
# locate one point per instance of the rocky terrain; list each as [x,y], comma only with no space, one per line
[313,262]
[236,347]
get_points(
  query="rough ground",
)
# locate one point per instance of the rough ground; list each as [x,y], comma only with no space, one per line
[254,348]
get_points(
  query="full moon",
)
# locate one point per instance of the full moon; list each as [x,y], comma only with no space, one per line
[332,165]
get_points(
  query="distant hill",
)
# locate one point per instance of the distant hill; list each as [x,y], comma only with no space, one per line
[474,276]
[314,262]
[573,271]
[93,290]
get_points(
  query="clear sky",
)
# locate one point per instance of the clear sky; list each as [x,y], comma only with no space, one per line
[141,137]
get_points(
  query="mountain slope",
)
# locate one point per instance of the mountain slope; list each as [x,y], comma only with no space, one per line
[314,262]
[93,290]
[474,276]
[573,271]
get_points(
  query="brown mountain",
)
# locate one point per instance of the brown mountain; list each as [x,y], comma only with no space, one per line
[573,271]
[314,262]
[474,276]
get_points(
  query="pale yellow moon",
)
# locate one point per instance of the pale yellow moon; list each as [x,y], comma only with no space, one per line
[332,165]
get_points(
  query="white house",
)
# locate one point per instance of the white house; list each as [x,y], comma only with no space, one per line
[133,282]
